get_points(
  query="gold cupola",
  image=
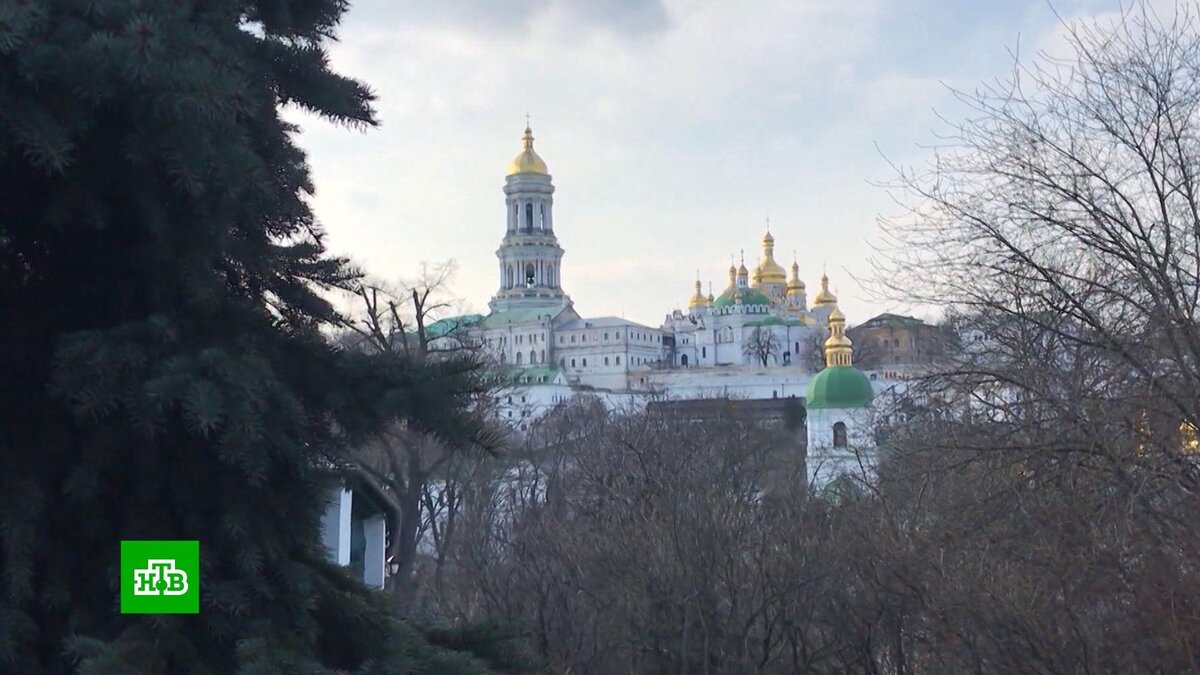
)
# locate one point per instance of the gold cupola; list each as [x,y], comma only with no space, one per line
[839,350]
[743,274]
[769,271]
[698,300]
[528,161]
[824,298]
[794,285]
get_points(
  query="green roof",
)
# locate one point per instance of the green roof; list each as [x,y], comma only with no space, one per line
[839,387]
[443,327]
[749,297]
[519,316]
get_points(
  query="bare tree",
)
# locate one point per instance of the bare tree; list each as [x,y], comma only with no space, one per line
[1061,223]
[763,346]
[417,467]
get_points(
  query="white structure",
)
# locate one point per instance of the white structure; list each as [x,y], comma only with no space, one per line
[354,532]
[758,339]
[838,401]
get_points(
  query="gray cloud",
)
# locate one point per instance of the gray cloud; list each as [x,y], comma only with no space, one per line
[497,17]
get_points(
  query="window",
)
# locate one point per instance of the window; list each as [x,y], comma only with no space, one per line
[839,435]
[560,339]
[606,337]
[606,360]
[585,363]
[530,277]
[704,352]
[572,363]
[532,356]
[683,360]
[542,222]
[583,338]
[618,360]
[518,358]
[797,349]
[543,359]
[572,339]
[529,216]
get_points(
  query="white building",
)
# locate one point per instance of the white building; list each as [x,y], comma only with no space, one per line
[757,339]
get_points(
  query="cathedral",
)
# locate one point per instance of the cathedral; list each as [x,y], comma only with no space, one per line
[758,339]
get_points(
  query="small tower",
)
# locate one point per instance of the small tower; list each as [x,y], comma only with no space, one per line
[529,255]
[796,291]
[838,402]
[769,276]
[698,301]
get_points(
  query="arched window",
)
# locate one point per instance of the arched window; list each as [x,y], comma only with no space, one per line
[550,276]
[683,360]
[704,352]
[543,359]
[618,360]
[839,435]
[530,278]
[572,363]
[585,363]
[518,358]
[542,217]
[532,356]
[529,217]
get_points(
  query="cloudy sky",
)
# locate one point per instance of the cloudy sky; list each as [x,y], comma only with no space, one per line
[673,130]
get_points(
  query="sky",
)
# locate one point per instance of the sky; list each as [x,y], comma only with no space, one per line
[673,130]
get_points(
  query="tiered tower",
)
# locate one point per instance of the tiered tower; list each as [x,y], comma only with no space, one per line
[530,257]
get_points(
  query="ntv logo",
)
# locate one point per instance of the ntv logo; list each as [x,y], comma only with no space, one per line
[160,577]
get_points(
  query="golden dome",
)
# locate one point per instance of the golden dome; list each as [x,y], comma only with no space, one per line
[528,161]
[836,315]
[698,300]
[795,285]
[769,271]
[824,298]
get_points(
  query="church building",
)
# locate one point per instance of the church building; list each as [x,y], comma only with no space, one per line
[759,338]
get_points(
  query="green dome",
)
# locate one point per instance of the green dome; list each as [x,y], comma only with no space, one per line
[749,297]
[839,387]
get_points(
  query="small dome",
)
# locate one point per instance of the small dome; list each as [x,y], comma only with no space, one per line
[698,300]
[824,297]
[839,387]
[528,161]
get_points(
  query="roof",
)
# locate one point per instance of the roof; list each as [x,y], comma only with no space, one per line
[602,322]
[518,316]
[886,320]
[543,374]
[839,387]
[443,327]
[749,297]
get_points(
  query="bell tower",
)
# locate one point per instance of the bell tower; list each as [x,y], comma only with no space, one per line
[529,255]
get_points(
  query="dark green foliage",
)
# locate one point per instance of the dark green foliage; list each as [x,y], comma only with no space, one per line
[164,374]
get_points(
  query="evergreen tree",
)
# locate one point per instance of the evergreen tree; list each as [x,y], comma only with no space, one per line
[164,372]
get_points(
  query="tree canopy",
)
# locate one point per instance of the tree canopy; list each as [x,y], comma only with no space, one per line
[165,371]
